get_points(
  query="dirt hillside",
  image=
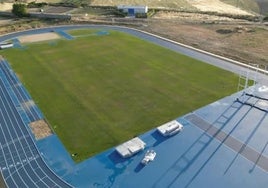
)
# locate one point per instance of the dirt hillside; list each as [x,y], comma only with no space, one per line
[217,6]
[5,6]
[237,39]
[220,6]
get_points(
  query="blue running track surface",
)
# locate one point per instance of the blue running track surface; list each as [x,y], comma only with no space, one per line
[64,34]
[20,162]
[223,144]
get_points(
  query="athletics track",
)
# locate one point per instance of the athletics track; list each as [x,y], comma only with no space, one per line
[223,144]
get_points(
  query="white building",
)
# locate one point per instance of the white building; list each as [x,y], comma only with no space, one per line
[133,10]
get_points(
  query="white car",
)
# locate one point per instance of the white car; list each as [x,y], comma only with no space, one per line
[149,156]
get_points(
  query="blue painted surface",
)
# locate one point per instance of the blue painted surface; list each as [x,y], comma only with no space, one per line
[64,34]
[244,122]
[131,12]
[188,159]
[16,43]
[102,33]
[20,162]
[55,155]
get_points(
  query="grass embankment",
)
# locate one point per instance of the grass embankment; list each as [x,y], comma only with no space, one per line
[99,91]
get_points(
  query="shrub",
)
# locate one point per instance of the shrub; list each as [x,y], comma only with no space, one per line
[141,15]
[119,13]
[36,5]
[19,10]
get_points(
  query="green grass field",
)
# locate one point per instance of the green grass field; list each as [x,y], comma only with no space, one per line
[99,91]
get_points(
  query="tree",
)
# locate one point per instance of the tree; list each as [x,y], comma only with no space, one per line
[19,10]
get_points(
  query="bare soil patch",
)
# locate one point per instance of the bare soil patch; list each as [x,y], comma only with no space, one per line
[237,39]
[217,6]
[38,37]
[184,16]
[6,6]
[5,21]
[40,129]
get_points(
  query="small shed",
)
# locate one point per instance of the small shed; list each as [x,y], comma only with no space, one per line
[133,10]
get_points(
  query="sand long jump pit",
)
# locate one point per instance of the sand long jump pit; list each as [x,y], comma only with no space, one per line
[38,37]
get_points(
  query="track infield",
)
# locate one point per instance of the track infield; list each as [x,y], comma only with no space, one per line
[97,91]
